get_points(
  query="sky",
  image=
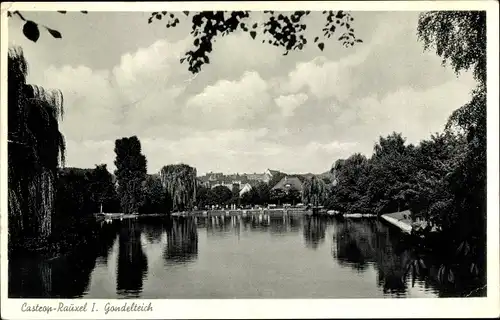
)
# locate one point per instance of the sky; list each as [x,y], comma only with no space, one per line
[251,108]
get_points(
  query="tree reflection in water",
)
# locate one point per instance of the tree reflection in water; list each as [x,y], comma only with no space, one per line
[219,225]
[294,223]
[108,232]
[132,262]
[355,244]
[314,231]
[182,241]
[153,229]
[278,224]
[359,244]
[62,276]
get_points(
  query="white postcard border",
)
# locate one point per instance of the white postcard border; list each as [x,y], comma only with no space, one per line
[276,308]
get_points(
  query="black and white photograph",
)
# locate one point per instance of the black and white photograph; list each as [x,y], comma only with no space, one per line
[262,152]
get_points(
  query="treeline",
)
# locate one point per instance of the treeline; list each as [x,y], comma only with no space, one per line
[81,192]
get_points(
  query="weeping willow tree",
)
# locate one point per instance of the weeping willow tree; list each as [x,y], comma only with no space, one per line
[180,182]
[314,191]
[36,149]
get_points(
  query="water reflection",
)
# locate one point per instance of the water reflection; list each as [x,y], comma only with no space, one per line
[166,251]
[65,276]
[355,244]
[182,241]
[278,225]
[132,262]
[314,231]
[365,243]
[153,230]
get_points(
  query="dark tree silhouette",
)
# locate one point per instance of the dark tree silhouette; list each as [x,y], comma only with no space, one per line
[130,173]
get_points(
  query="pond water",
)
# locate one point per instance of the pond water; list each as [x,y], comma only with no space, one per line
[258,256]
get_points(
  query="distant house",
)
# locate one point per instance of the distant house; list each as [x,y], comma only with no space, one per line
[287,183]
[211,179]
[257,177]
[245,188]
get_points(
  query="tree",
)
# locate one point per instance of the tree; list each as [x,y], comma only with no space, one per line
[350,194]
[102,188]
[459,38]
[292,196]
[130,173]
[251,197]
[314,191]
[180,182]
[36,149]
[73,194]
[235,194]
[391,167]
[262,190]
[154,196]
[284,29]
[220,195]
[202,196]
[277,196]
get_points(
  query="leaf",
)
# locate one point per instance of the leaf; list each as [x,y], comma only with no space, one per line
[254,25]
[253,34]
[359,40]
[321,46]
[316,39]
[63,12]
[182,60]
[56,34]
[31,31]
[84,12]
[186,13]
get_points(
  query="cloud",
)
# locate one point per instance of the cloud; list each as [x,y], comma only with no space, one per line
[415,113]
[229,104]
[323,78]
[289,103]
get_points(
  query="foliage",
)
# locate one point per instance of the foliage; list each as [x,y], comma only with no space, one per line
[459,37]
[36,149]
[277,196]
[251,197]
[314,191]
[31,28]
[391,167]
[180,182]
[219,195]
[284,29]
[155,196]
[235,194]
[130,173]
[263,193]
[102,187]
[351,191]
[202,194]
